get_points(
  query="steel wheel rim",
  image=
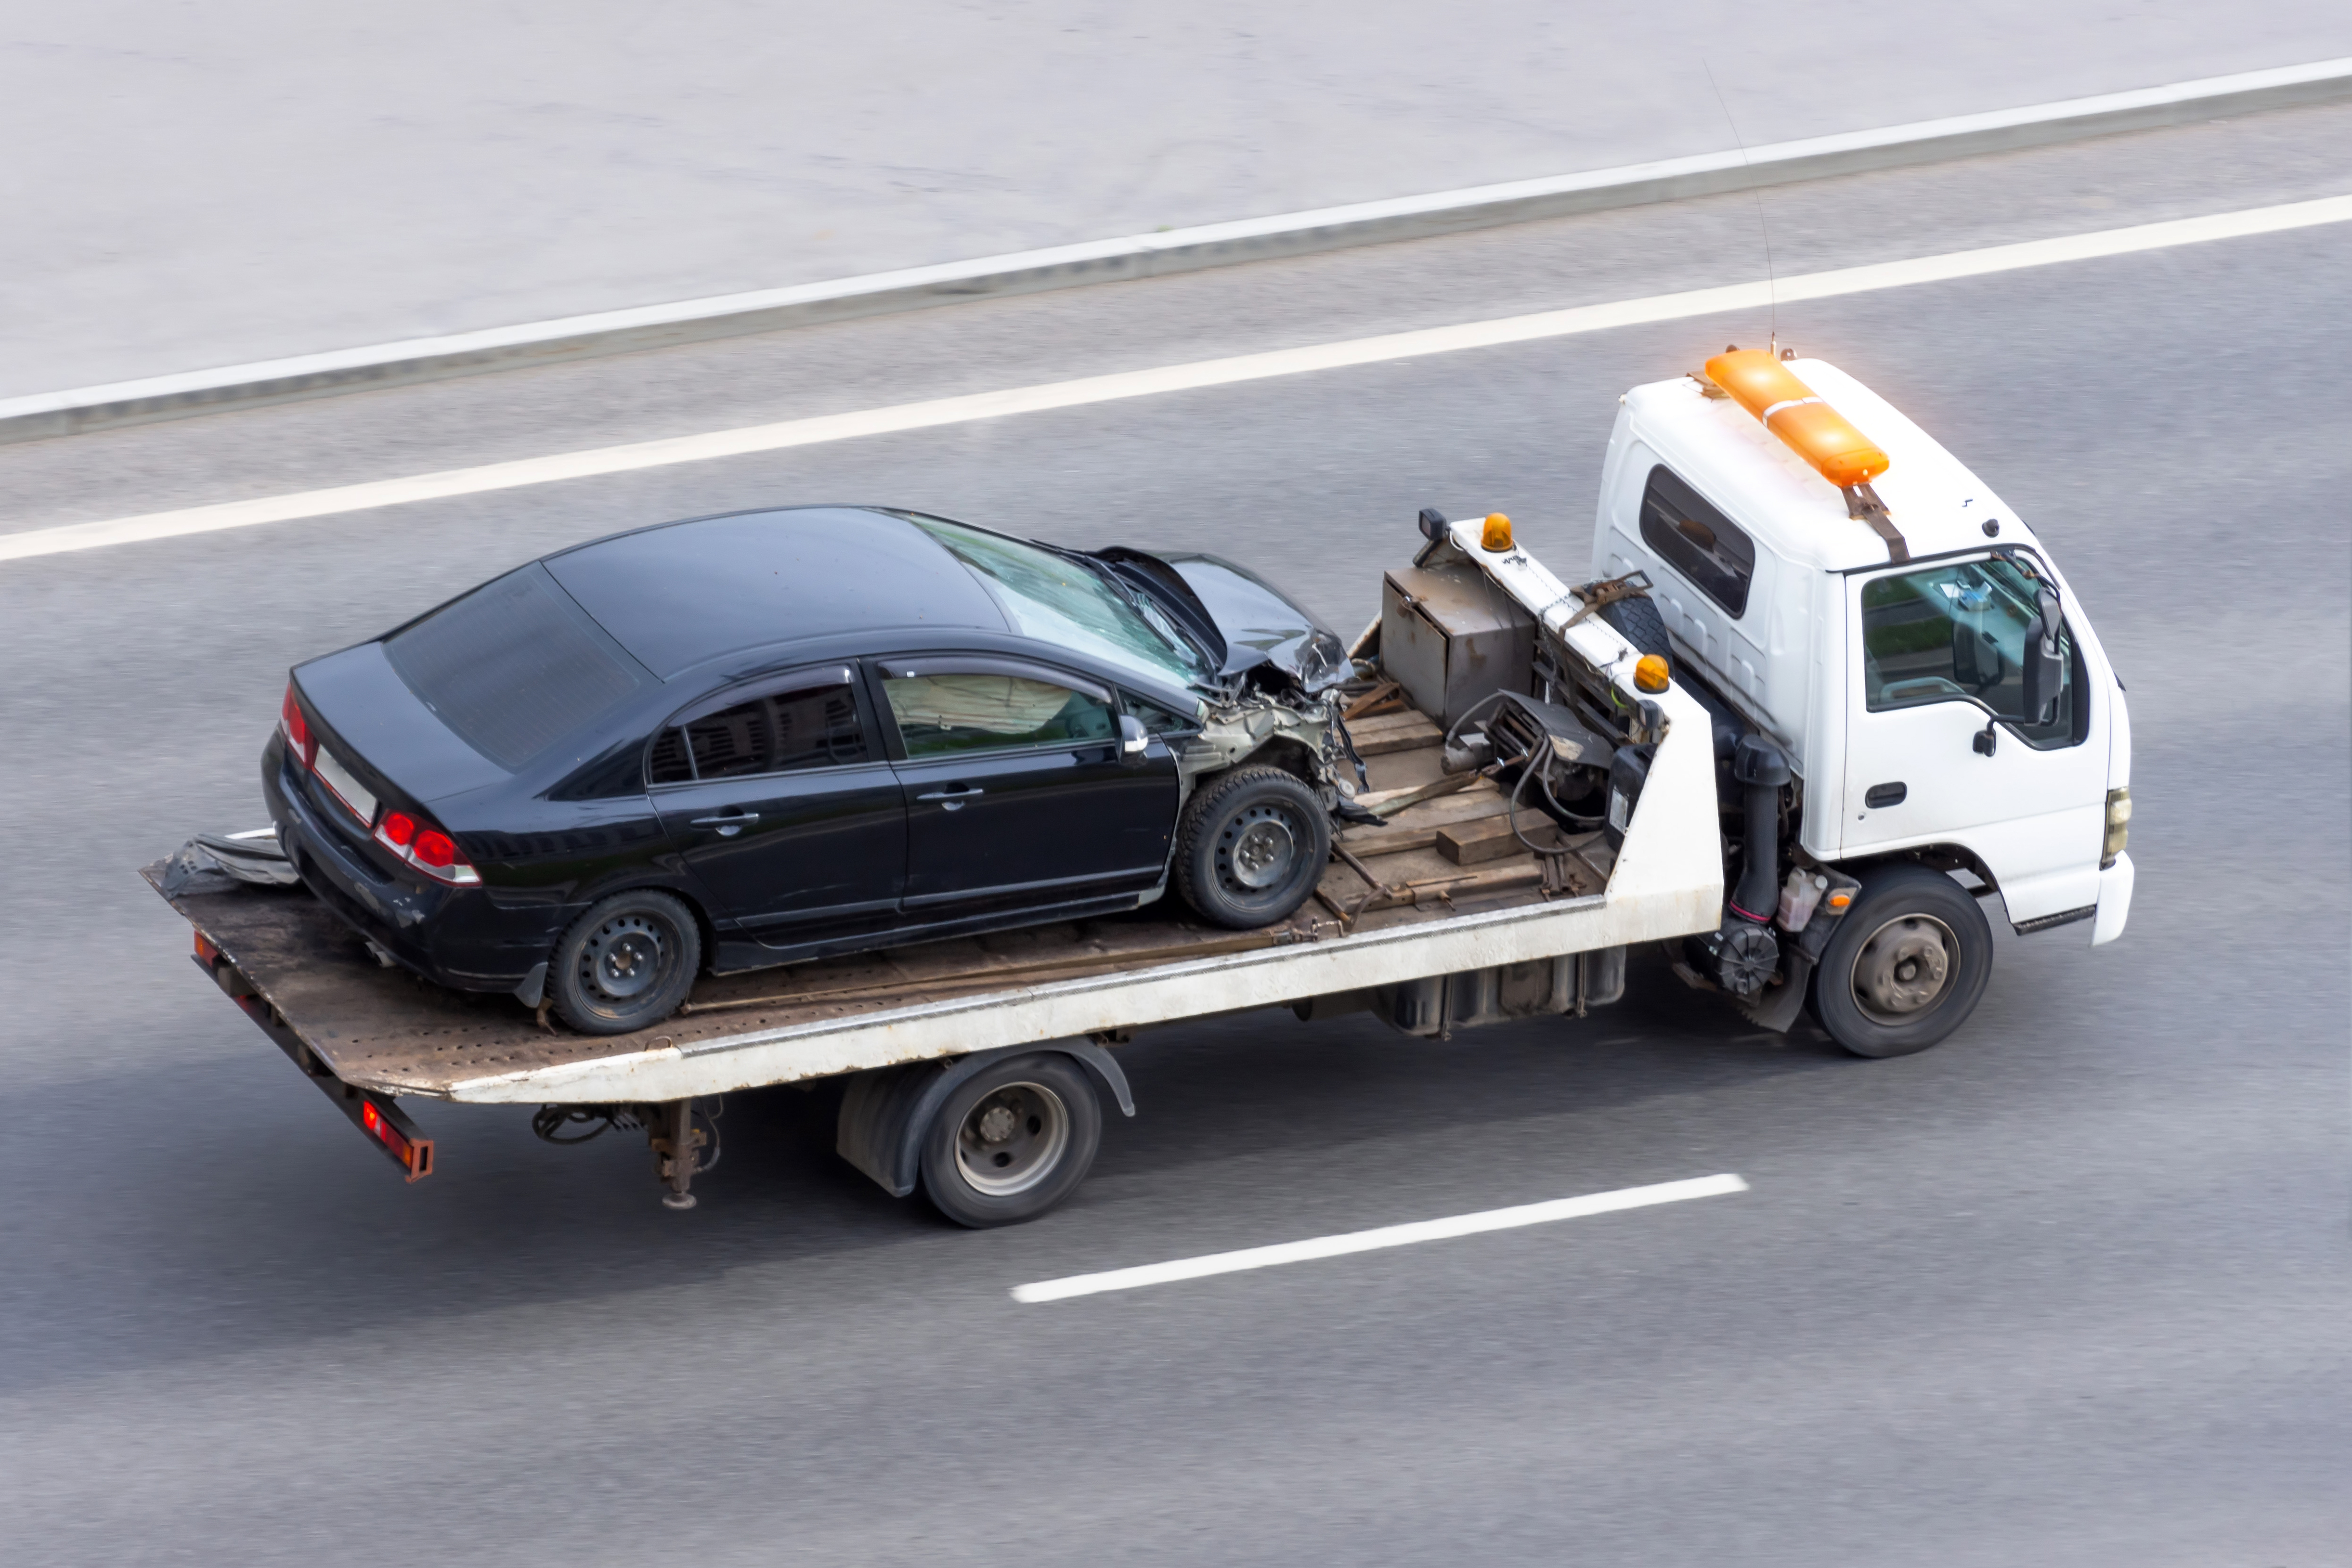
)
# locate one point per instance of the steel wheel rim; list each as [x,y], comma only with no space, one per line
[1904,968]
[625,957]
[1012,1139]
[1259,849]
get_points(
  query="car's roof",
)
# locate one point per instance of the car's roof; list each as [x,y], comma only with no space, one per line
[682,594]
[1719,447]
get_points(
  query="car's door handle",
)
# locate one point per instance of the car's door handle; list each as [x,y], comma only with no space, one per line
[954,799]
[1878,795]
[728,825]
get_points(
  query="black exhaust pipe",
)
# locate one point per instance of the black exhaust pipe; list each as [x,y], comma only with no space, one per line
[1759,767]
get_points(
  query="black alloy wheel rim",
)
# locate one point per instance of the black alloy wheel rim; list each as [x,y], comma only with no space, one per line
[628,957]
[1258,850]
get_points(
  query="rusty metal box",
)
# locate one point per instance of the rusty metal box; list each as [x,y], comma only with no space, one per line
[1450,637]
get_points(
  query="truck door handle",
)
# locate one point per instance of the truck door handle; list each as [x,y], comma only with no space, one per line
[729,825]
[1883,794]
[954,799]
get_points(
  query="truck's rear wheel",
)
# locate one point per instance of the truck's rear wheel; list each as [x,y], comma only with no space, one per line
[1014,1140]
[1906,966]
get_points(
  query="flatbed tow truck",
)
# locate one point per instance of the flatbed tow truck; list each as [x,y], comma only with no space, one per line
[1766,633]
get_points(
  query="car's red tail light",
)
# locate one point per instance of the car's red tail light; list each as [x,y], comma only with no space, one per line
[428,850]
[298,730]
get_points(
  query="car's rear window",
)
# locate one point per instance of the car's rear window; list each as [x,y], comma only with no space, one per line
[514,667]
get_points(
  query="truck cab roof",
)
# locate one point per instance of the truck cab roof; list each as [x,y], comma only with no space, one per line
[1727,453]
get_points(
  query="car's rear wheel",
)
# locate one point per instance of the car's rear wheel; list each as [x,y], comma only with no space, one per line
[1251,848]
[1014,1140]
[626,964]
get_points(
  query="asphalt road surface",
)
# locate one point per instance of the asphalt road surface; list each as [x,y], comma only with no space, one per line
[191,186]
[2070,1288]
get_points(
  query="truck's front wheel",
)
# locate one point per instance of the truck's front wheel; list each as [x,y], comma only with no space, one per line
[1013,1140]
[1906,966]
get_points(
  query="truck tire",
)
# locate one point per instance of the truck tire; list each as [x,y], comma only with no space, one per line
[1012,1141]
[1251,848]
[1638,622]
[626,964]
[1908,965]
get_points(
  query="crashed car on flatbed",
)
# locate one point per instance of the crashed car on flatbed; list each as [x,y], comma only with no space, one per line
[765,737]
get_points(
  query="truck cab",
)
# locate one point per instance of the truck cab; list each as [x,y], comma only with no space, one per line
[1888,657]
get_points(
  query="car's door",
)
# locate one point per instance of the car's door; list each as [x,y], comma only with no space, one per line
[780,799]
[1937,743]
[1019,793]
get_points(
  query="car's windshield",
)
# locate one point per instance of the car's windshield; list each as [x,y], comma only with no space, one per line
[1056,599]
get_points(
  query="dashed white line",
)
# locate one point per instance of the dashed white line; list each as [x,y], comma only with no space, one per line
[1375,1240]
[791,433]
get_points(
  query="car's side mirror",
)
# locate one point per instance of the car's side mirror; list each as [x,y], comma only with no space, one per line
[1132,736]
[2044,668]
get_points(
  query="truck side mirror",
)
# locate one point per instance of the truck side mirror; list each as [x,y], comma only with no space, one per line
[1132,737]
[2044,667]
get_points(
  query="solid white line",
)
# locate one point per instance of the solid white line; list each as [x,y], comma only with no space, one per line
[1374,1240]
[1241,236]
[791,433]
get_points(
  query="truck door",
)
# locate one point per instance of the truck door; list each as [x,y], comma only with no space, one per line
[1940,749]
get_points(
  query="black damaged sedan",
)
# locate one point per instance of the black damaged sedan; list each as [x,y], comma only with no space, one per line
[752,738]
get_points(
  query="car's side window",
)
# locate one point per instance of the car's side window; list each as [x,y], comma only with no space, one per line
[811,725]
[1957,633]
[1697,539]
[1161,720]
[942,709]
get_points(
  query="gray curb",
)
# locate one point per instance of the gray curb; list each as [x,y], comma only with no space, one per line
[1156,255]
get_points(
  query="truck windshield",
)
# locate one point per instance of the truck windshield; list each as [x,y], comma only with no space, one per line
[1057,600]
[1956,633]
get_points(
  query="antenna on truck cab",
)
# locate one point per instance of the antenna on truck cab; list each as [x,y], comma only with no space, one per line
[1771,280]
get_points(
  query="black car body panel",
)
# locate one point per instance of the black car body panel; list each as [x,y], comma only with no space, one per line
[684,594]
[1261,625]
[696,624]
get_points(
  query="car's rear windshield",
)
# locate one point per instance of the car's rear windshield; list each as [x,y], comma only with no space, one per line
[1058,600]
[514,667]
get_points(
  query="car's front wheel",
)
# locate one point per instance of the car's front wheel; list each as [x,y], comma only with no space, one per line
[626,964]
[1251,848]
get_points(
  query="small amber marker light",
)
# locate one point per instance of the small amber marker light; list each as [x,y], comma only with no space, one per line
[1497,536]
[1838,899]
[1650,674]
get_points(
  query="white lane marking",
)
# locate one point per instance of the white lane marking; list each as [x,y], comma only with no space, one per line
[1374,1240]
[791,433]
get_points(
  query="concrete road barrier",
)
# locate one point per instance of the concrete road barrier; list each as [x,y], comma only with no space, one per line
[1151,255]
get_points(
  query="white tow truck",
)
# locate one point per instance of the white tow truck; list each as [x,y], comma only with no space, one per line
[1824,700]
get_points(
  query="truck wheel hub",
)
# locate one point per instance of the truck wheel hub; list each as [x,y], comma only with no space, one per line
[1904,968]
[1013,1140]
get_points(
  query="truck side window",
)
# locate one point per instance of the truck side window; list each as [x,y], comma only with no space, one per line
[780,731]
[1699,542]
[1956,633]
[945,712]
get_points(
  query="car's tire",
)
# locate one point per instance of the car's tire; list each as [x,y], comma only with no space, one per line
[1638,622]
[1907,965]
[1251,848]
[626,964]
[1012,1142]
